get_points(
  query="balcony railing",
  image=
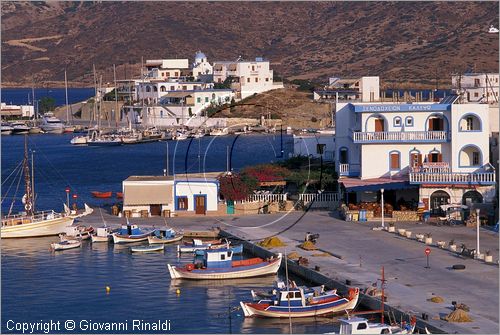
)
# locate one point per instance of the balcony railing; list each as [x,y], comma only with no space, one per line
[400,136]
[479,178]
[349,170]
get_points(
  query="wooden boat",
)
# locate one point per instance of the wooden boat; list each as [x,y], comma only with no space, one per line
[148,248]
[197,244]
[236,249]
[96,194]
[281,285]
[131,233]
[119,195]
[77,232]
[293,302]
[358,325]
[163,236]
[218,264]
[65,245]
[32,223]
[103,234]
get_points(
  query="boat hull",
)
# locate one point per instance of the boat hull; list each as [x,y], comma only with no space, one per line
[96,238]
[268,268]
[52,130]
[156,240]
[102,194]
[103,143]
[275,311]
[37,229]
[70,244]
[148,248]
[117,239]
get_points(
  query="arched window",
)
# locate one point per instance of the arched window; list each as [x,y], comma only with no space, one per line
[415,158]
[376,123]
[155,89]
[470,156]
[409,121]
[439,198]
[394,160]
[434,156]
[163,89]
[470,122]
[397,121]
[472,197]
[148,89]
[437,122]
[343,156]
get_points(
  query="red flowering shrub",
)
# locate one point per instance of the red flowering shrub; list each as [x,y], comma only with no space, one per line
[236,186]
[267,172]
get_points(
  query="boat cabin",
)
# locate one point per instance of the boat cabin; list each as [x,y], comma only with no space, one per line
[130,229]
[220,258]
[293,297]
[361,326]
[103,231]
[167,233]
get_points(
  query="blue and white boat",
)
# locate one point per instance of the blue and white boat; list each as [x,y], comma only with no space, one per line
[198,244]
[131,233]
[219,264]
[296,303]
[163,236]
[236,249]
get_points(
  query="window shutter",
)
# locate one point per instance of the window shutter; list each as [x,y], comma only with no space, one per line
[431,125]
[441,124]
[394,161]
[419,159]
[440,157]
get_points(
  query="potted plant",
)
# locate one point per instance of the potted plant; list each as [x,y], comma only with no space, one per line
[428,238]
[392,229]
[401,232]
[488,258]
[420,237]
[441,244]
[452,246]
[408,234]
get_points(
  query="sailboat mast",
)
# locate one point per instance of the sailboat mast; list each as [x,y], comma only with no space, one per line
[116,95]
[28,205]
[66,92]
[33,180]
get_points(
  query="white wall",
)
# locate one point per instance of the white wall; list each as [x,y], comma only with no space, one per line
[370,89]
[191,188]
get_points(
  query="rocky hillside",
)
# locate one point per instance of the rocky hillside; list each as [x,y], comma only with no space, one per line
[399,41]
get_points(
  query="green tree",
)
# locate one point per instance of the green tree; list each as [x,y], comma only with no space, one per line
[47,104]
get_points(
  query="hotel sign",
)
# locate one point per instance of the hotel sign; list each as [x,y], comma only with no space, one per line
[380,108]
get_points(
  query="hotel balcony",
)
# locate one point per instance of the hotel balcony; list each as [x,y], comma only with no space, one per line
[440,173]
[401,137]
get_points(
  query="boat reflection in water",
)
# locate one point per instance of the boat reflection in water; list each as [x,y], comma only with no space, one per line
[299,325]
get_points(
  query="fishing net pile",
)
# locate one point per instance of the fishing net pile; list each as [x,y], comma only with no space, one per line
[308,245]
[436,299]
[271,242]
[293,255]
[459,314]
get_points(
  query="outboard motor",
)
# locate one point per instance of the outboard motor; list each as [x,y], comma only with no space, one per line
[311,237]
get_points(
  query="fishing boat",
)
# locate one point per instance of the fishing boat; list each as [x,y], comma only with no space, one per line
[281,285]
[6,128]
[219,264]
[79,140]
[65,245]
[148,248]
[236,249]
[103,234]
[131,233]
[119,195]
[77,232]
[294,302]
[104,141]
[358,325]
[97,194]
[31,223]
[162,236]
[51,124]
[197,244]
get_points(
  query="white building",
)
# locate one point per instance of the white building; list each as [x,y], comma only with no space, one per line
[167,68]
[8,111]
[477,87]
[153,90]
[435,153]
[197,193]
[148,193]
[202,70]
[317,146]
[248,77]
[365,89]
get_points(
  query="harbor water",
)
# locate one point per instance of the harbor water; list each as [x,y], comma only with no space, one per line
[42,286]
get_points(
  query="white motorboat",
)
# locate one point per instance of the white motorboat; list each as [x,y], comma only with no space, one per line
[219,132]
[6,128]
[104,234]
[65,245]
[358,325]
[51,124]
[148,248]
[19,128]
[79,140]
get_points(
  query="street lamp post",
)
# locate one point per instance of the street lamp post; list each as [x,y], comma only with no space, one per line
[382,203]
[74,204]
[477,233]
[67,196]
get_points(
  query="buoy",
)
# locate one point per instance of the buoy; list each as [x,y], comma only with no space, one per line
[108,289]
[178,291]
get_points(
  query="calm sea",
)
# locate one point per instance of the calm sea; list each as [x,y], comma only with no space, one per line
[70,285]
[24,96]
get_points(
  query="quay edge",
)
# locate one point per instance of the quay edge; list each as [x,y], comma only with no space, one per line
[320,279]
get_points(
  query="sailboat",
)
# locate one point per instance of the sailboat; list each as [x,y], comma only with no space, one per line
[31,223]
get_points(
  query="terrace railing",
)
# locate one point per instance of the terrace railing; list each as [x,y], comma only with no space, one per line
[400,136]
[479,178]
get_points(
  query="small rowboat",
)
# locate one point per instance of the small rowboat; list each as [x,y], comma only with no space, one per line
[119,195]
[237,249]
[148,248]
[295,302]
[162,236]
[197,244]
[65,245]
[96,194]
[130,234]
[79,232]
[218,264]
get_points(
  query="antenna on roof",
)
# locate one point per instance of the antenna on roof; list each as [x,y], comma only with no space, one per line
[239,58]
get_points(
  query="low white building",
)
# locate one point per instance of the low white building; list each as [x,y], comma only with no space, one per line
[167,68]
[197,193]
[436,153]
[25,111]
[365,89]
[248,77]
[315,145]
[477,87]
[153,90]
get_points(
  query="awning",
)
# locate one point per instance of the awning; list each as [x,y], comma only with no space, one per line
[356,184]
[152,194]
[177,95]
